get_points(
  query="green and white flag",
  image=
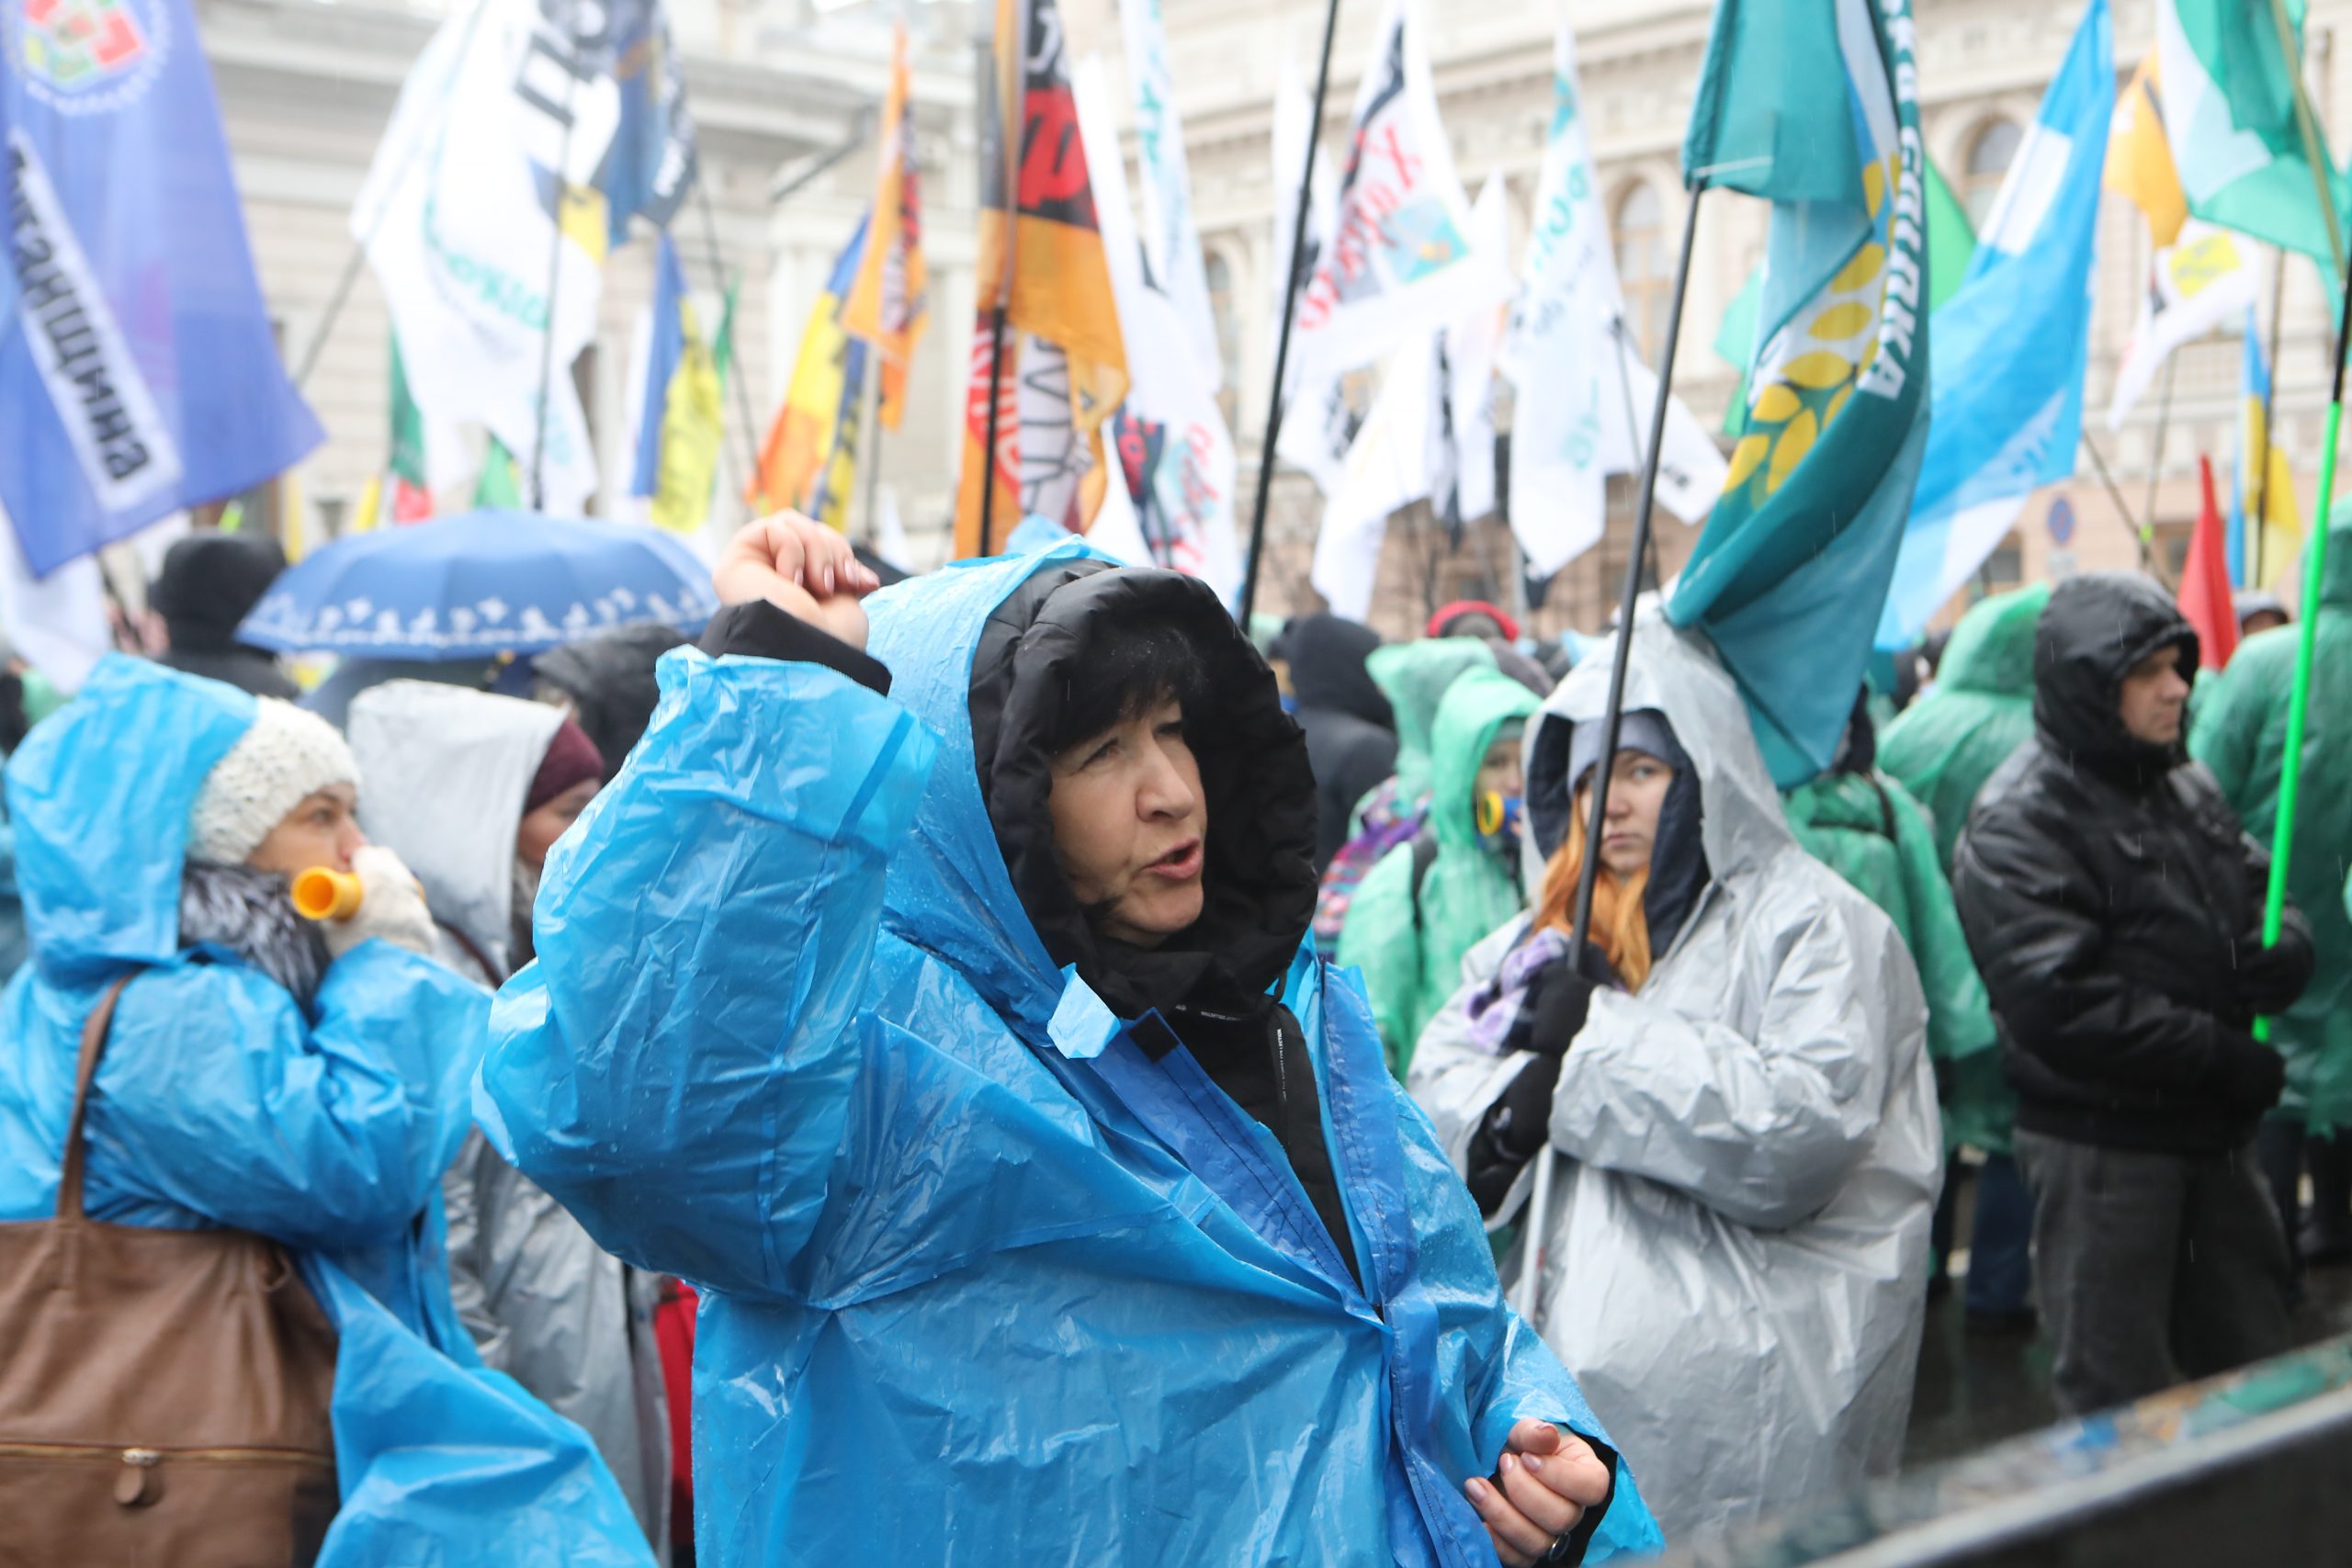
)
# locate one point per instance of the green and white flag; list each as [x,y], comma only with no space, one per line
[2229,107]
[1791,571]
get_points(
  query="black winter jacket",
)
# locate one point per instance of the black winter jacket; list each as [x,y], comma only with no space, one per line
[2114,905]
[1351,730]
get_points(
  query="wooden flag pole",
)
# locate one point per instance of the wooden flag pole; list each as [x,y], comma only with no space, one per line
[1539,1202]
[1256,553]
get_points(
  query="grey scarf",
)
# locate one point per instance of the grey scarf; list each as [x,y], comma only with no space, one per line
[252,914]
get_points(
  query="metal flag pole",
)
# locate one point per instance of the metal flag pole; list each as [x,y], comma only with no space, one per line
[996,383]
[873,441]
[2299,698]
[1539,1202]
[1006,71]
[1257,554]
[2250,549]
[1625,386]
[2143,534]
[748,421]
[358,261]
[2164,422]
[555,274]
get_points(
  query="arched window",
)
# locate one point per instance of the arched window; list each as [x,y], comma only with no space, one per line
[1645,269]
[1990,153]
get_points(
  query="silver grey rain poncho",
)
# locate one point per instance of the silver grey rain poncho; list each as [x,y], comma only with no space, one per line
[1748,1147]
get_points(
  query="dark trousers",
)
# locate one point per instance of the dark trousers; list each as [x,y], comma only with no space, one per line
[2154,1269]
[2278,1152]
[2000,1241]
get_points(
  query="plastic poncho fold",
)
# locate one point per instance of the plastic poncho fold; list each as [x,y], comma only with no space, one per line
[961,1241]
[1409,964]
[448,772]
[2239,731]
[221,1101]
[1867,829]
[1750,1151]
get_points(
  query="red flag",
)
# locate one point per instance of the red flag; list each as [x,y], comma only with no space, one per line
[2205,583]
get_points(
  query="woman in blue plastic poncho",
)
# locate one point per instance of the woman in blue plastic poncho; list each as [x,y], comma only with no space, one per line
[945,1013]
[262,1073]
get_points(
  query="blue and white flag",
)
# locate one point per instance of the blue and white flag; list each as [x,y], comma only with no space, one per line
[139,373]
[2007,385]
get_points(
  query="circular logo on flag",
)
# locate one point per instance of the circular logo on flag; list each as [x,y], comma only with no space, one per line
[89,56]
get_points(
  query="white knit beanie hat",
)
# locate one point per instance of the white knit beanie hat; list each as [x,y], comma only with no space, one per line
[287,756]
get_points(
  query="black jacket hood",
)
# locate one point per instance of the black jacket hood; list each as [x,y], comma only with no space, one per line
[1326,656]
[1260,883]
[2094,630]
[610,681]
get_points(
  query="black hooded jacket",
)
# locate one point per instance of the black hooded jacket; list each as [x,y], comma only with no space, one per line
[1351,730]
[610,682]
[209,583]
[1211,989]
[2114,904]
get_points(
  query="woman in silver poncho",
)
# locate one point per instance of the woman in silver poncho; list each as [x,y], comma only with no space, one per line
[1742,1108]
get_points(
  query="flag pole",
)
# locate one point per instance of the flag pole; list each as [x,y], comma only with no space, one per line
[873,439]
[2298,697]
[2143,534]
[748,421]
[1625,386]
[2307,124]
[1539,1202]
[1256,553]
[2164,422]
[2250,550]
[562,186]
[996,381]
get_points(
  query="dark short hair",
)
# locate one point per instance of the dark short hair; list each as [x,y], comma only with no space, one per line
[1126,670]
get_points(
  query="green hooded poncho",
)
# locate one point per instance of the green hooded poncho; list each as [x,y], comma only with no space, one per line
[1941,750]
[2238,728]
[1943,747]
[1867,829]
[1412,967]
[1415,677]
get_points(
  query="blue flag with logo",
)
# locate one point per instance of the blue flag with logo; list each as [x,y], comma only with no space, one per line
[138,370]
[2007,389]
[1815,108]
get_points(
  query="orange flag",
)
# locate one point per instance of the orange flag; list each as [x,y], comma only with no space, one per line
[2205,583]
[1064,369]
[889,304]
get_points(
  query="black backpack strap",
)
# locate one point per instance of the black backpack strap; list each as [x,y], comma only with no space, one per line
[1424,857]
[1885,807]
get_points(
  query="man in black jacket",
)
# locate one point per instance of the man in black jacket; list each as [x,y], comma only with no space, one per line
[2114,906]
[1351,730]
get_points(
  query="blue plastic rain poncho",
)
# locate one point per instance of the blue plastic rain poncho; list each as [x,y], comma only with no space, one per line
[221,1101]
[985,1282]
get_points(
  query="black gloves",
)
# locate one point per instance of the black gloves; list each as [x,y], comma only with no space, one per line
[2270,978]
[2250,1076]
[1557,1002]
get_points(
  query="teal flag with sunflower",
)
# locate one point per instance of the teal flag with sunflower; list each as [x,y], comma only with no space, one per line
[1792,569]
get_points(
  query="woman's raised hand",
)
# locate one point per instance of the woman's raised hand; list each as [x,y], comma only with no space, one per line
[802,567]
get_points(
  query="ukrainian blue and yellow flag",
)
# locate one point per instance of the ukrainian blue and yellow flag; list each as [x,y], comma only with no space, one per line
[806,439]
[678,435]
[2261,558]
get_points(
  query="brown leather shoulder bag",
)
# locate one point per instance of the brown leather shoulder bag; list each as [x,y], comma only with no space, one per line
[163,1393]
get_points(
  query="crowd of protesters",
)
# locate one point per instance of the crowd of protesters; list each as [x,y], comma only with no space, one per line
[1074,1086]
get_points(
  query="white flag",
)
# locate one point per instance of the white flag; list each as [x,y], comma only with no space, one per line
[56,623]
[509,121]
[1172,244]
[1175,452]
[2204,279]
[1317,420]
[1387,468]
[1461,429]
[1585,396]
[1399,262]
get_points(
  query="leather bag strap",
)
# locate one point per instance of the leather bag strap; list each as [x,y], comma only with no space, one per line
[95,1030]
